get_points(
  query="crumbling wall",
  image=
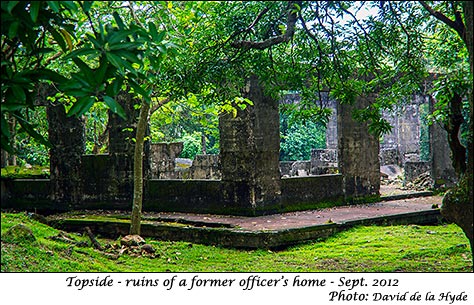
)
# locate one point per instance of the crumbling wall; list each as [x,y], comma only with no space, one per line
[162,161]
[323,161]
[206,167]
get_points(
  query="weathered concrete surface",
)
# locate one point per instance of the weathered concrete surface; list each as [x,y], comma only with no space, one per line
[249,152]
[193,195]
[67,138]
[311,190]
[442,170]
[162,161]
[271,231]
[358,152]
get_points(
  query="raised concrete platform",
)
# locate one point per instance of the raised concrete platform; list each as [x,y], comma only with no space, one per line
[271,231]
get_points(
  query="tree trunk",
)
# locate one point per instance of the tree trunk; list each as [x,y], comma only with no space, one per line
[138,170]
[453,126]
[458,203]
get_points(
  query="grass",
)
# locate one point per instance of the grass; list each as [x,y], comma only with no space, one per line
[18,172]
[413,248]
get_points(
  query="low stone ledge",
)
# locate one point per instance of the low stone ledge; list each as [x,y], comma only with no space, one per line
[235,237]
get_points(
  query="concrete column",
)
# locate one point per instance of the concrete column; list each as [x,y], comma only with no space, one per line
[442,170]
[358,152]
[67,137]
[249,151]
[409,130]
[331,128]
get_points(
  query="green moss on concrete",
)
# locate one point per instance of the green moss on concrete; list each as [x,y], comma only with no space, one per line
[304,206]
[363,199]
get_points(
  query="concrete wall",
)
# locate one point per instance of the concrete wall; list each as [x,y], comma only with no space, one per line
[195,196]
[311,190]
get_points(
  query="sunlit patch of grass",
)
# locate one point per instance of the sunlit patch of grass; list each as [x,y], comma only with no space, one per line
[442,248]
[17,172]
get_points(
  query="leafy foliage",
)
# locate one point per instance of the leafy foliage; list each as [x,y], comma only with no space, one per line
[31,31]
[298,139]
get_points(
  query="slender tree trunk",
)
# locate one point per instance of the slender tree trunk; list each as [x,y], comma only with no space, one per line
[135,225]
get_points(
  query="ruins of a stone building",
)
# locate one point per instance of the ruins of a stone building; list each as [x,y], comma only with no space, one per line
[245,179]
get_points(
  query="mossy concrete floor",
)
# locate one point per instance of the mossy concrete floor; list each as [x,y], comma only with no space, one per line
[270,231]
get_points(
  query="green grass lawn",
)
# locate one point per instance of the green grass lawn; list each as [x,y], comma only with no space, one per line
[412,248]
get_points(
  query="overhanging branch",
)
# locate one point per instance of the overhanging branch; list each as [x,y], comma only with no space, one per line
[457,25]
[290,30]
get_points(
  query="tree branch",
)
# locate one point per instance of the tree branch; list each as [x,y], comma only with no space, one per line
[290,30]
[158,105]
[457,25]
[256,20]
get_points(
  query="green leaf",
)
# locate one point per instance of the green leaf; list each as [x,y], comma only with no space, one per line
[130,56]
[69,5]
[82,82]
[99,74]
[34,10]
[54,5]
[13,30]
[87,5]
[153,32]
[95,42]
[138,89]
[50,75]
[19,93]
[86,71]
[117,86]
[81,106]
[115,60]
[4,125]
[38,51]
[11,107]
[161,49]
[58,38]
[11,6]
[115,107]
[123,45]
[119,21]
[118,62]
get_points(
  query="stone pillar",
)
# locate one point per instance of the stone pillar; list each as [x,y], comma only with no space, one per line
[331,128]
[409,130]
[249,151]
[358,152]
[389,148]
[442,170]
[67,137]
